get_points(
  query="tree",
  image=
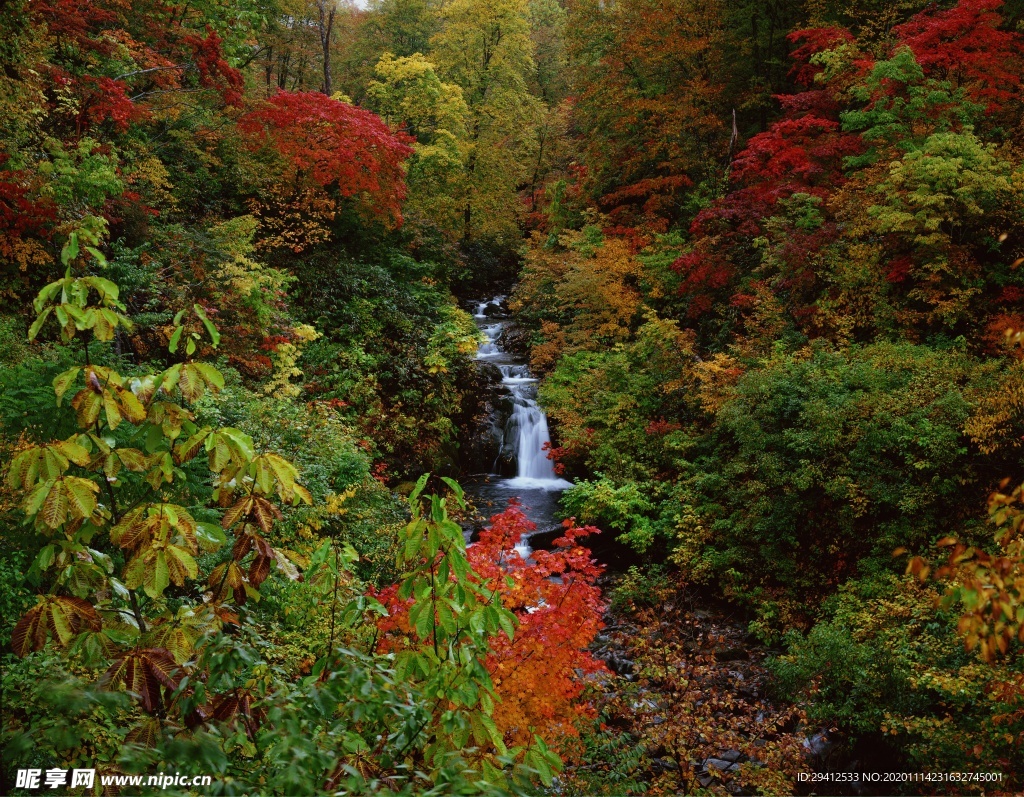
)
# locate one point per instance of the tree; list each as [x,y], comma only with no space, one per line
[402,27]
[325,150]
[966,46]
[648,102]
[441,627]
[539,673]
[93,485]
[485,48]
[326,10]
[412,99]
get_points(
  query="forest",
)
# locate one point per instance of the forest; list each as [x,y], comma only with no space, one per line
[512,397]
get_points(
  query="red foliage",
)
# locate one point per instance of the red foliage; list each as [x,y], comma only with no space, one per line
[810,42]
[994,336]
[801,153]
[335,145]
[662,427]
[22,215]
[899,268]
[85,34]
[538,673]
[74,23]
[1012,294]
[214,71]
[964,45]
[649,191]
[271,342]
[703,272]
[795,154]
[106,100]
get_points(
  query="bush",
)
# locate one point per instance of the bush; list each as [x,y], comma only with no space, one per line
[823,462]
[893,674]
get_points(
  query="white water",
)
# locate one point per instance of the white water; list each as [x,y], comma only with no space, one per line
[526,431]
[481,309]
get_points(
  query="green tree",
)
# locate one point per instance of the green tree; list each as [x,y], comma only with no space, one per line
[410,96]
[485,47]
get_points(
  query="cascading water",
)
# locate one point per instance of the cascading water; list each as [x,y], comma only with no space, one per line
[521,433]
[526,437]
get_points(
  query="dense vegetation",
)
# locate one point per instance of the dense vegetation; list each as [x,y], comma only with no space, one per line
[766,258]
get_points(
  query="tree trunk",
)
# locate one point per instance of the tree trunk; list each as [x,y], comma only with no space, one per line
[328,9]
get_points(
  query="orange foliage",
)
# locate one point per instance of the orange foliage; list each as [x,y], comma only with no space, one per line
[651,82]
[538,673]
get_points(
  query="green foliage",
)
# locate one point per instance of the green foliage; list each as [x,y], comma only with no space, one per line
[53,714]
[626,509]
[618,409]
[890,670]
[611,763]
[825,462]
[396,354]
[642,588]
[15,596]
[771,353]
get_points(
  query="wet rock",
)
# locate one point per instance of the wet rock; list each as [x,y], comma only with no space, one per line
[732,756]
[722,765]
[515,340]
[819,745]
[619,664]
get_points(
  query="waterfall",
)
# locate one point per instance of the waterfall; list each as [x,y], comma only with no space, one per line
[526,433]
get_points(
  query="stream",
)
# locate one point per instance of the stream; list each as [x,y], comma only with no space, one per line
[710,646]
[519,428]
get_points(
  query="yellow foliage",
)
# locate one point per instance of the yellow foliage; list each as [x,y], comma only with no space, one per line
[990,422]
[285,358]
[716,379]
[588,281]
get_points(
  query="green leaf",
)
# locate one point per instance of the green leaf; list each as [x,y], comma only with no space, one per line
[107,290]
[157,576]
[421,483]
[81,496]
[62,382]
[460,495]
[214,378]
[413,540]
[70,250]
[46,294]
[172,347]
[45,557]
[425,622]
[493,733]
[96,253]
[38,323]
[210,536]
[180,563]
[505,621]
[210,328]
